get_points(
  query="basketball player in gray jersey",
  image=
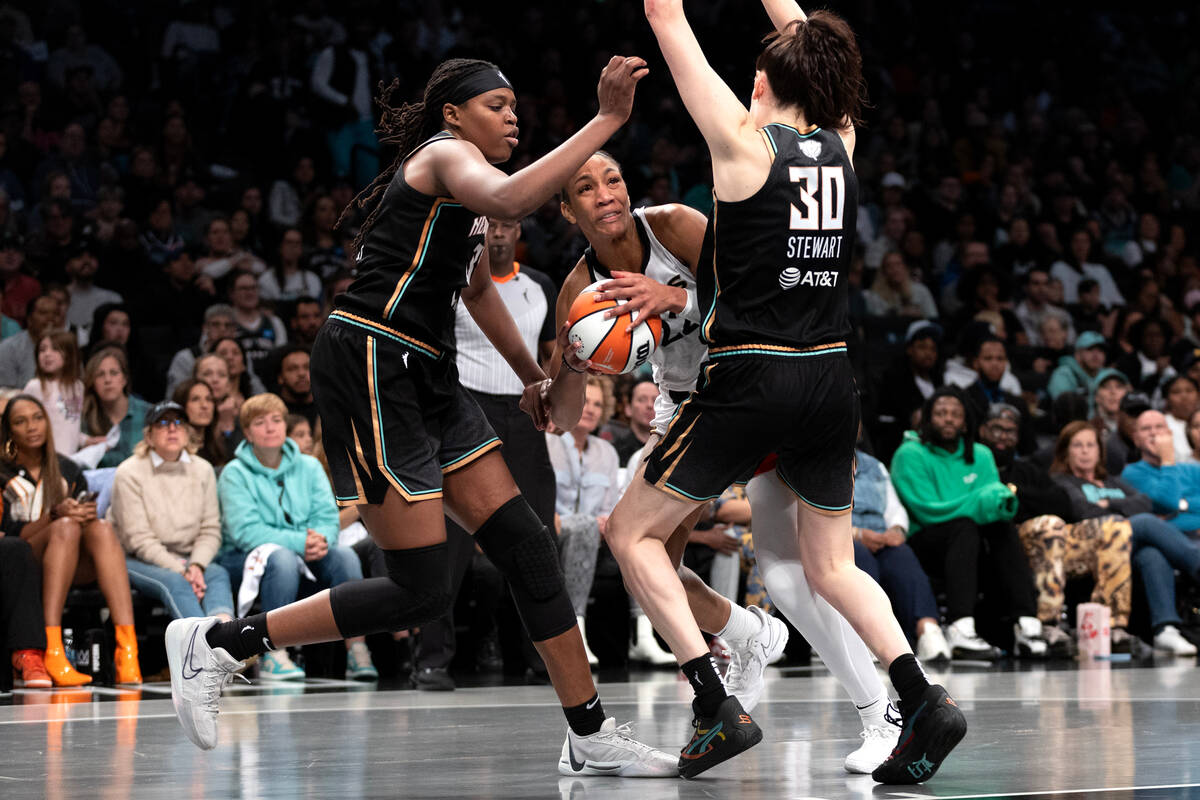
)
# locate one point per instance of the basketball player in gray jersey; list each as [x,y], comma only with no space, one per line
[648,258]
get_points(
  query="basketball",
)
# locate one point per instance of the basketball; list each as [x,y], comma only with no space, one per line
[605,342]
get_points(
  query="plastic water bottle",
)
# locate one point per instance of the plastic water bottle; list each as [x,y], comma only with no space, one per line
[68,637]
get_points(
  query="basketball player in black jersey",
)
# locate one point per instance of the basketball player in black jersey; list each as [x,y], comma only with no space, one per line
[771,282]
[405,441]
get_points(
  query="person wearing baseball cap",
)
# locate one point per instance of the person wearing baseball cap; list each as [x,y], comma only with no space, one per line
[1120,446]
[1108,390]
[1078,373]
[166,514]
[906,384]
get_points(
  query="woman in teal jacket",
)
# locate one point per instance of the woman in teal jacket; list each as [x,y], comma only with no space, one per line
[272,494]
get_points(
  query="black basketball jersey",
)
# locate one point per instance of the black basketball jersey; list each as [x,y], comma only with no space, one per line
[413,263]
[772,273]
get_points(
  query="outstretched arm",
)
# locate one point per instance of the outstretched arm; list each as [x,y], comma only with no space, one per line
[783,13]
[470,179]
[718,113]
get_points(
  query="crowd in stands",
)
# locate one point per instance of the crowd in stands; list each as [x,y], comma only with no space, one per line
[1025,300]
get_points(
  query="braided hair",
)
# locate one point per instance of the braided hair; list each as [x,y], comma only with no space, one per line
[406,126]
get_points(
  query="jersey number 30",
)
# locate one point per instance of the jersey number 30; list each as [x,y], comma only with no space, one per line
[823,197]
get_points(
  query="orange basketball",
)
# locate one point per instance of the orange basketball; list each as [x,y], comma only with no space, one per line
[605,342]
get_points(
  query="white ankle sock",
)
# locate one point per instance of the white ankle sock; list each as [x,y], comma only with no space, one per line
[872,713]
[741,625]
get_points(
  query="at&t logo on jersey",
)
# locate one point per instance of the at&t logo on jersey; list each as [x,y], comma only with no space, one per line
[790,278]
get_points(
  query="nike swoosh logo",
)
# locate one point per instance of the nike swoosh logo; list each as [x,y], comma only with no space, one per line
[190,671]
[577,766]
[247,628]
[592,704]
[267,643]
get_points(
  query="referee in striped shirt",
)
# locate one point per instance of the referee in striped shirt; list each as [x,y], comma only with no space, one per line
[530,297]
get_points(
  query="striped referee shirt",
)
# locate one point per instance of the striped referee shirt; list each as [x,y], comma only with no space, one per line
[530,297]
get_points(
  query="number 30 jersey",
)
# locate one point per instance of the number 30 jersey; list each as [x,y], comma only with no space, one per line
[772,272]
[413,264]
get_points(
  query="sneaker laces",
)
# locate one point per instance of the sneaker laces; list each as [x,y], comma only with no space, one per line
[622,736]
[215,681]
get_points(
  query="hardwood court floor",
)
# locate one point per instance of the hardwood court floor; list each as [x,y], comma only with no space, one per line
[1105,731]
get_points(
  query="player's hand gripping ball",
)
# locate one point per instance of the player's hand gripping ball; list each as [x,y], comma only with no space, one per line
[605,342]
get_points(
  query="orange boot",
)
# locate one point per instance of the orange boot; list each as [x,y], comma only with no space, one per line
[126,658]
[57,665]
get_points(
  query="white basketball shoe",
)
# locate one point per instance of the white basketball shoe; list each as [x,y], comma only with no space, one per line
[878,743]
[613,751]
[749,658]
[198,674]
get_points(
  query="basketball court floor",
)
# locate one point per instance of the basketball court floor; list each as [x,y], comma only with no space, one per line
[1111,731]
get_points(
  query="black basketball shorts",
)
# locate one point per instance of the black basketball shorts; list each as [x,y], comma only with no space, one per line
[391,415]
[803,407]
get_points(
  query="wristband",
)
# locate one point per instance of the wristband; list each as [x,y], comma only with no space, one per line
[690,306]
[568,366]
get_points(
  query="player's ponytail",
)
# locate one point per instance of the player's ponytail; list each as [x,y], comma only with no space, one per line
[816,66]
[406,126]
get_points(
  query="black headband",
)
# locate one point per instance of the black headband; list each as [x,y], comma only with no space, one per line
[475,84]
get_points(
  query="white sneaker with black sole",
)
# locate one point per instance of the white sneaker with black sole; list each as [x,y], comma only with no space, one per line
[613,751]
[1029,638]
[878,743]
[965,642]
[198,674]
[748,659]
[932,646]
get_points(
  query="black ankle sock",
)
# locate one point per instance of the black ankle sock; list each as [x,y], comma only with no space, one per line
[702,674]
[585,718]
[909,679]
[241,638]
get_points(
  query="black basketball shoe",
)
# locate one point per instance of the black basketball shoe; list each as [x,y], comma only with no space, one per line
[930,731]
[718,738]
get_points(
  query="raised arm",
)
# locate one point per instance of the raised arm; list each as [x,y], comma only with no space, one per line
[469,178]
[719,115]
[783,13]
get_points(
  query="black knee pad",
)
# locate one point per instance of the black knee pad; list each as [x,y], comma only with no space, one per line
[525,552]
[416,591]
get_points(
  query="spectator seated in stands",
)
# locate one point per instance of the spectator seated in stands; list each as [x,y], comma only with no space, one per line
[165,512]
[895,293]
[86,296]
[287,280]
[222,257]
[200,411]
[111,324]
[990,364]
[300,431]
[46,504]
[907,384]
[1075,266]
[295,384]
[218,325]
[272,495]
[880,528]
[961,530]
[58,387]
[1193,436]
[1181,399]
[1057,549]
[258,330]
[1148,366]
[108,403]
[1036,308]
[305,320]
[585,471]
[1173,487]
[1158,548]
[639,413]
[213,370]
[22,627]
[1111,388]
[19,288]
[1078,373]
[18,354]
[243,379]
